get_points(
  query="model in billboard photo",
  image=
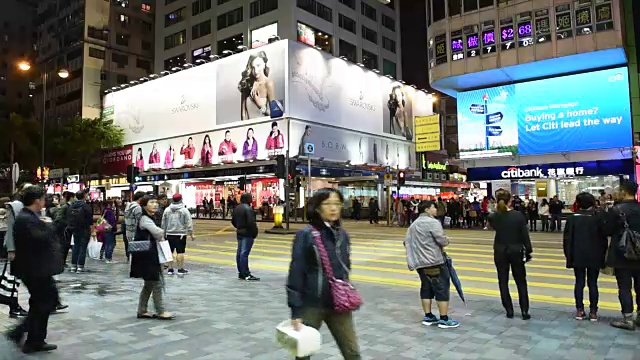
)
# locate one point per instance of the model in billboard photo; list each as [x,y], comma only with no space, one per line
[206,154]
[256,88]
[360,150]
[169,157]
[250,147]
[305,139]
[375,152]
[188,151]
[275,141]
[154,157]
[227,148]
[139,159]
[399,122]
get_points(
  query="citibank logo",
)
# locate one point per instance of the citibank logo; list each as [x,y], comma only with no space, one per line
[514,173]
[616,77]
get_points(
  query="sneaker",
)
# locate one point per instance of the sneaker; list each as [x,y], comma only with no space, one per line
[73,269]
[18,312]
[626,323]
[429,320]
[252,278]
[170,271]
[448,324]
[593,316]
[580,314]
[183,271]
[81,270]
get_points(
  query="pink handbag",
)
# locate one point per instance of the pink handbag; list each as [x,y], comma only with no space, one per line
[344,295]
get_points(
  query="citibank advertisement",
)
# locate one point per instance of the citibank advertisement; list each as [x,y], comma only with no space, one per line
[589,111]
[553,171]
[243,143]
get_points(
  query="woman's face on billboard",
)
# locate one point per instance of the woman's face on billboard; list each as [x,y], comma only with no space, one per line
[249,134]
[257,67]
[398,94]
[227,136]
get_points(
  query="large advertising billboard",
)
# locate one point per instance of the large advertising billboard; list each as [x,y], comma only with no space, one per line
[589,111]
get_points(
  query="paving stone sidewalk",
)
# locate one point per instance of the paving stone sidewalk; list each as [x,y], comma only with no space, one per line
[220,317]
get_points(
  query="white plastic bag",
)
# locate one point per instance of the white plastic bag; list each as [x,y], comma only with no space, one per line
[447,221]
[72,242]
[93,248]
[164,252]
[301,343]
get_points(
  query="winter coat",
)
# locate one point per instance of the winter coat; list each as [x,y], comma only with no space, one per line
[37,250]
[188,152]
[614,226]
[584,240]
[168,159]
[206,155]
[146,265]
[250,152]
[154,158]
[243,218]
[424,243]
[274,143]
[176,220]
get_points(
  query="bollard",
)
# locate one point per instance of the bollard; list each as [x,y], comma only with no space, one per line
[278,213]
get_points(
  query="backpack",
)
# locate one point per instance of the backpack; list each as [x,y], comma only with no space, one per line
[629,244]
[75,217]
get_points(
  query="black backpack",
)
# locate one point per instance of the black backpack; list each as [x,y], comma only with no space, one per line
[629,244]
[75,217]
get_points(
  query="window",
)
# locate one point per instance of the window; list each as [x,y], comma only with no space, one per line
[146,27]
[315,38]
[455,7]
[347,23]
[389,22]
[388,44]
[145,7]
[349,3]
[199,6]
[124,21]
[99,34]
[96,53]
[175,39]
[220,2]
[316,9]
[470,5]
[143,64]
[438,10]
[369,34]
[486,3]
[122,79]
[146,45]
[167,2]
[388,68]
[122,39]
[202,29]
[368,11]
[177,60]
[369,60]
[348,50]
[121,59]
[260,7]
[230,44]
[201,53]
[392,4]
[174,17]
[230,18]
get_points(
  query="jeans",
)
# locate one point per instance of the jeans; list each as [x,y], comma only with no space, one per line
[245,244]
[79,251]
[514,262]
[624,278]
[555,219]
[341,327]
[591,275]
[533,223]
[42,301]
[151,288]
[544,219]
[109,244]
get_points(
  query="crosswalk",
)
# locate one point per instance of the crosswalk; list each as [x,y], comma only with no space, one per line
[378,257]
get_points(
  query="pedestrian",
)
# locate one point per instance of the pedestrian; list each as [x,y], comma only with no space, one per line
[177,224]
[441,210]
[163,203]
[80,220]
[424,243]
[512,249]
[543,211]
[532,214]
[37,260]
[484,209]
[373,211]
[132,214]
[585,245]
[244,220]
[555,210]
[356,209]
[308,292]
[109,235]
[626,213]
[231,204]
[146,264]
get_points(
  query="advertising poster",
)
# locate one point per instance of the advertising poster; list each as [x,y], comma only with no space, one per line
[243,143]
[427,133]
[247,84]
[343,145]
[115,161]
[260,36]
[580,112]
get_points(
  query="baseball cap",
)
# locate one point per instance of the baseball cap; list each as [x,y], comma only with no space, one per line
[177,197]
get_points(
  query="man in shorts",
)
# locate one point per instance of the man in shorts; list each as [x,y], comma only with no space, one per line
[177,224]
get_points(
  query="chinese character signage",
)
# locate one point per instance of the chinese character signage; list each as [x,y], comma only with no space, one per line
[604,16]
[543,26]
[584,20]
[552,171]
[440,49]
[457,45]
[507,34]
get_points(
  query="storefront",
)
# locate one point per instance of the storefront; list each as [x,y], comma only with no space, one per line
[566,180]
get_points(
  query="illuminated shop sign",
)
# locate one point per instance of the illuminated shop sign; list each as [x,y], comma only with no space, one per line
[552,171]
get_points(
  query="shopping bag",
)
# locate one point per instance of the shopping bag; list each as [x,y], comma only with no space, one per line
[447,221]
[72,242]
[93,249]
[8,287]
[164,252]
[301,343]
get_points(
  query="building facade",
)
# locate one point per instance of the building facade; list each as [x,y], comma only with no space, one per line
[100,43]
[362,31]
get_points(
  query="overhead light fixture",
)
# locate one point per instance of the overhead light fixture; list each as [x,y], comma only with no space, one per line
[115,88]
[175,69]
[124,86]
[133,82]
[343,58]
[153,76]
[402,82]
[165,73]
[376,71]
[390,77]
[187,65]
[413,86]
[106,92]
[200,62]
[214,57]
[241,47]
[361,64]
[227,52]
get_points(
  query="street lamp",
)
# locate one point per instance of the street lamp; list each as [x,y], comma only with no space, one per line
[63,74]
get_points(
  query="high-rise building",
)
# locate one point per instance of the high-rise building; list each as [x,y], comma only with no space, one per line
[362,31]
[100,43]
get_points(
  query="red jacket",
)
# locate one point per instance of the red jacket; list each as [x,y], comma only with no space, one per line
[154,158]
[188,152]
[274,143]
[206,155]
[226,150]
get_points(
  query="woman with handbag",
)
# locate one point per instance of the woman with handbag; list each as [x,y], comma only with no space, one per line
[110,224]
[145,263]
[511,250]
[318,288]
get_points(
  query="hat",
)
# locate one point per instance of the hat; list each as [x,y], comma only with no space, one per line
[177,197]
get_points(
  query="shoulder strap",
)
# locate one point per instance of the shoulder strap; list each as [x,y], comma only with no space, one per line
[324,256]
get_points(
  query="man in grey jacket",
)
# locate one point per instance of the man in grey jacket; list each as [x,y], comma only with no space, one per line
[424,243]
[177,224]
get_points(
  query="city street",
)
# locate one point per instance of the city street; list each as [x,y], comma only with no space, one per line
[220,317]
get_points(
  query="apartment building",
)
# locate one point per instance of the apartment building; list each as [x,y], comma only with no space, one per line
[101,43]
[362,31]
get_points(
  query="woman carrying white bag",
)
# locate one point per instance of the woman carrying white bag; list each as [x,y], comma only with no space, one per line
[147,250]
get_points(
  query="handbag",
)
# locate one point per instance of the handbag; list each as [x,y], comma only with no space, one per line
[139,246]
[344,294]
[8,287]
[629,244]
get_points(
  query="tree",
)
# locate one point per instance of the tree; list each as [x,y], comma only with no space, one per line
[78,143]
[20,140]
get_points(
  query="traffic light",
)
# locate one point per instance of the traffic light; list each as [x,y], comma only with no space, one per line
[281,171]
[298,183]
[132,173]
[401,178]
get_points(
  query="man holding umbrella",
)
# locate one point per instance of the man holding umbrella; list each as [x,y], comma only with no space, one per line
[424,243]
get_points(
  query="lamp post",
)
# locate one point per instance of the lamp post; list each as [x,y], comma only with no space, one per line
[63,74]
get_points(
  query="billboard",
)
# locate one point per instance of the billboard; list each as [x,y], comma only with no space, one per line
[343,145]
[242,143]
[589,111]
[210,96]
[115,161]
[260,36]
[552,171]
[340,93]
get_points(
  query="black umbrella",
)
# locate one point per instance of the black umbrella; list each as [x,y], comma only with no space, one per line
[455,280]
